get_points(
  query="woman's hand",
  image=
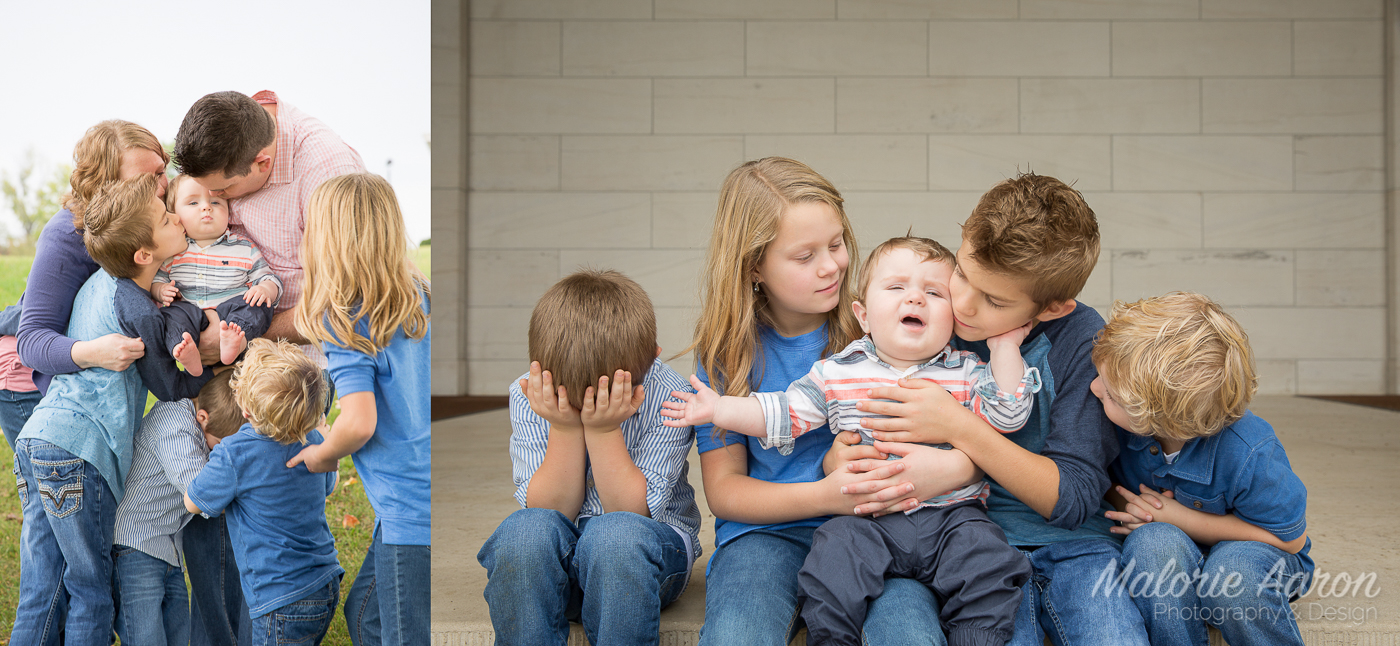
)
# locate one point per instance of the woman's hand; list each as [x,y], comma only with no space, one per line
[926,472]
[113,352]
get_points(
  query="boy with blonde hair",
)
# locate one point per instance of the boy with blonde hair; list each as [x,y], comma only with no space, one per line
[287,560]
[1027,250]
[947,543]
[610,527]
[75,451]
[171,446]
[1206,491]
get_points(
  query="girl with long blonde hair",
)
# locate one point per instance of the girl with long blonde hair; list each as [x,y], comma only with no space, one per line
[777,295]
[368,308]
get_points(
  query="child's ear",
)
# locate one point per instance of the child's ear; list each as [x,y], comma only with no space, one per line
[658,352]
[202,417]
[1056,309]
[144,256]
[859,310]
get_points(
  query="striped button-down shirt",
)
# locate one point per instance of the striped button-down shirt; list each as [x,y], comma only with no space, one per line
[308,153]
[169,452]
[658,451]
[829,392]
[208,276]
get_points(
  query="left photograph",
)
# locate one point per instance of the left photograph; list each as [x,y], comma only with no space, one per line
[215,275]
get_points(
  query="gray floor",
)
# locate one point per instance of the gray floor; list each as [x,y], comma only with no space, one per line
[1347,455]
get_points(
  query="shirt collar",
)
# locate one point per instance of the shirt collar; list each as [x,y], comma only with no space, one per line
[1195,463]
[865,345]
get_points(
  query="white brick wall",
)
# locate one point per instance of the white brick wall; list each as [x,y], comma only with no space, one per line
[1232,147]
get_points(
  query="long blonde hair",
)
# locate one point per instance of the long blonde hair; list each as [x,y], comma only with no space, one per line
[97,161]
[354,255]
[751,206]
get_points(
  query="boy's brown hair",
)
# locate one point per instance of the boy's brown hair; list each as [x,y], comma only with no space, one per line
[118,224]
[1038,229]
[1179,365]
[223,132]
[929,248]
[216,398]
[280,389]
[591,324]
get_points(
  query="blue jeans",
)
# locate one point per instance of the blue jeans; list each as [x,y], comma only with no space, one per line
[390,599]
[613,572]
[299,622]
[66,543]
[751,596]
[152,604]
[15,409]
[219,614]
[1189,589]
[1070,598]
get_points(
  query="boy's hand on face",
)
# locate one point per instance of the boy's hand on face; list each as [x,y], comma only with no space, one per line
[550,404]
[1010,340]
[606,410]
[165,293]
[261,294]
[693,408]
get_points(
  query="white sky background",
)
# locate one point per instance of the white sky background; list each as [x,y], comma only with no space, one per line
[360,66]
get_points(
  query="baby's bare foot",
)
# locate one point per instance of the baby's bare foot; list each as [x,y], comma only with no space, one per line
[187,353]
[231,342]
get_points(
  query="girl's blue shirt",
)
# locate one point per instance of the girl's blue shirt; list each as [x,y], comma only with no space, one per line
[779,361]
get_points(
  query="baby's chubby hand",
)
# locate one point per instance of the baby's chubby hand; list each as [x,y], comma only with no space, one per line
[1011,339]
[693,408]
[165,293]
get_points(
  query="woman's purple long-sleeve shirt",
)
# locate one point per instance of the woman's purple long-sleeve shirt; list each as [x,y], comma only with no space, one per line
[61,266]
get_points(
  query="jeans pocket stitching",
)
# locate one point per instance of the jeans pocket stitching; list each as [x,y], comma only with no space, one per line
[54,498]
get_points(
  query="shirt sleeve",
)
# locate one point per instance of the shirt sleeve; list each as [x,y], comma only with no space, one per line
[1006,412]
[216,485]
[177,442]
[788,415]
[262,271]
[163,274]
[1080,439]
[661,452]
[529,437]
[140,318]
[1269,495]
[351,370]
[61,266]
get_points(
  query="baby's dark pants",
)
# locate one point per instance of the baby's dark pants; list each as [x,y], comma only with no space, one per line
[957,551]
[182,316]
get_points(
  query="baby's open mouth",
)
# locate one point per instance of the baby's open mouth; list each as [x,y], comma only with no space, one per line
[912,321]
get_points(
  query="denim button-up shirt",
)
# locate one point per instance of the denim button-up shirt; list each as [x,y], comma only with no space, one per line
[1241,470]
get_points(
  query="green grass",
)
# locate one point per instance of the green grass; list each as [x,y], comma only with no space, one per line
[348,500]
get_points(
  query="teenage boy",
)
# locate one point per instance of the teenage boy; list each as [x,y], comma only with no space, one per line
[1027,250]
[76,449]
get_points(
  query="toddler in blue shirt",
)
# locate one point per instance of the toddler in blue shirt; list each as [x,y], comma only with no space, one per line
[287,560]
[1212,511]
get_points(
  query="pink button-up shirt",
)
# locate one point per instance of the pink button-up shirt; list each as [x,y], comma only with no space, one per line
[273,217]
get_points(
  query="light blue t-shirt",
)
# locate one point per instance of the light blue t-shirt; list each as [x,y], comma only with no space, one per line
[396,463]
[781,361]
[276,517]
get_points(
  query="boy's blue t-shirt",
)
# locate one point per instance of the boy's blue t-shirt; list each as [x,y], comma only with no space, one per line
[780,360]
[1067,425]
[1241,470]
[276,517]
[396,463]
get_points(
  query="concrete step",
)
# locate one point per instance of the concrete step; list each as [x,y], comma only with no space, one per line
[1348,456]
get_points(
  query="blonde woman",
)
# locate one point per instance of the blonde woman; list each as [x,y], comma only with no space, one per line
[777,297]
[368,308]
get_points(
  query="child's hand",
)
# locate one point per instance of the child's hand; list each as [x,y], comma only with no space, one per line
[165,293]
[1011,339]
[1140,509]
[693,408]
[548,403]
[314,460]
[261,294]
[610,407]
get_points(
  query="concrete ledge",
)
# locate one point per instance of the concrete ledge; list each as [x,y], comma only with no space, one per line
[1348,456]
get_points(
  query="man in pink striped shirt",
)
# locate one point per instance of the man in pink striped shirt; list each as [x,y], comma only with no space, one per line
[266,157]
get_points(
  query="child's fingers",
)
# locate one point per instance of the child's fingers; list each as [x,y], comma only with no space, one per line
[638,396]
[1148,492]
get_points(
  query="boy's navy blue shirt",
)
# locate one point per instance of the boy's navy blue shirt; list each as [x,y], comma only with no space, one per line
[1067,425]
[276,517]
[94,413]
[1241,470]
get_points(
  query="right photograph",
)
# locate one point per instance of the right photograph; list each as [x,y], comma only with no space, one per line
[915,322]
